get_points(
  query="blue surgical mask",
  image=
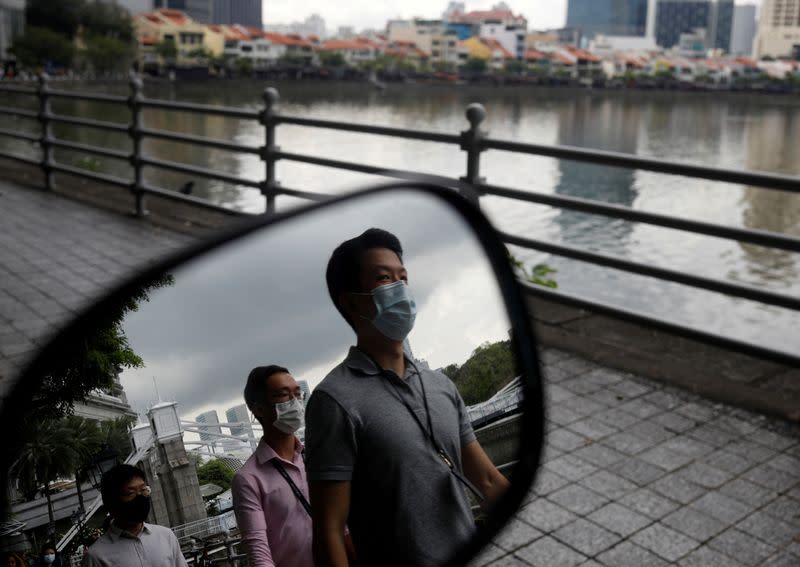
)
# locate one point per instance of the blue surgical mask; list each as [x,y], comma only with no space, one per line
[395,310]
[49,558]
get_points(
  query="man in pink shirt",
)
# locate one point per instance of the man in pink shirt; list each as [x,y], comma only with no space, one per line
[270,492]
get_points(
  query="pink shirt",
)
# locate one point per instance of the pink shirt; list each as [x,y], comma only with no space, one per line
[275,528]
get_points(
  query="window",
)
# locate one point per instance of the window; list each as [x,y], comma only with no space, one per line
[247,48]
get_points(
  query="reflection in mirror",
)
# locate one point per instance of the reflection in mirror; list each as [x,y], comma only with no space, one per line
[182,351]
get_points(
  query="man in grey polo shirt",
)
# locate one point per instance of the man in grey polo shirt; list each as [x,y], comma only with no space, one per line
[129,541]
[389,448]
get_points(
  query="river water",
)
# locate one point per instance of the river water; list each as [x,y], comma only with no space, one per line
[728,130]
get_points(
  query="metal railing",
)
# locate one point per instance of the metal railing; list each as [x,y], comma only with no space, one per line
[473,141]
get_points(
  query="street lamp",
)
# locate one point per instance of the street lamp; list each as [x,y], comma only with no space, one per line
[102,462]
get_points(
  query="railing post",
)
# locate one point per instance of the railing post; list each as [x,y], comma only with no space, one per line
[135,133]
[268,118]
[472,143]
[46,131]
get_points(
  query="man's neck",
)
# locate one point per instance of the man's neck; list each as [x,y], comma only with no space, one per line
[386,354]
[281,443]
[132,528]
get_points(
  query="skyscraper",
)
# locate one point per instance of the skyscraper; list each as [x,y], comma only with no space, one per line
[198,10]
[676,17]
[778,32]
[744,29]
[242,415]
[306,390]
[244,12]
[211,418]
[608,17]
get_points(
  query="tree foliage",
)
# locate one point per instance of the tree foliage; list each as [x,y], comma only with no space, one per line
[490,367]
[475,65]
[106,54]
[215,472]
[167,49]
[41,46]
[331,59]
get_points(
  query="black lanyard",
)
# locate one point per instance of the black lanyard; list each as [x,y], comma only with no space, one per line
[298,494]
[429,431]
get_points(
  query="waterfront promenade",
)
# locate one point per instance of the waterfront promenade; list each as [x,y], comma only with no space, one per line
[636,473]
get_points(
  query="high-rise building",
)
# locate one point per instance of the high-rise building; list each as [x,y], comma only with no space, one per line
[676,17]
[306,390]
[239,414]
[12,24]
[608,17]
[778,32]
[244,12]
[744,29]
[135,6]
[210,418]
[199,10]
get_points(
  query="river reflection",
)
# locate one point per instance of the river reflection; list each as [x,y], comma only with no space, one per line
[727,130]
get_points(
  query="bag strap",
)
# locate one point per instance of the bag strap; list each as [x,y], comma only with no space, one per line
[297,492]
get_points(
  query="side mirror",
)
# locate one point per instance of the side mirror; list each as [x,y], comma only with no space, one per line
[172,348]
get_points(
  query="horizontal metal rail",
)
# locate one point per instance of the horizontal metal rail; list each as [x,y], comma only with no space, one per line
[199,140]
[192,200]
[706,337]
[19,135]
[303,194]
[17,90]
[367,129]
[601,157]
[328,162]
[23,159]
[93,97]
[101,177]
[21,112]
[720,286]
[759,237]
[88,122]
[201,108]
[116,154]
[202,172]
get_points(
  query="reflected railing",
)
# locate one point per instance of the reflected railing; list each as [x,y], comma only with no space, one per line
[473,141]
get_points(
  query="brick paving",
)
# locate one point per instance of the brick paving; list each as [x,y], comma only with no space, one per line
[635,473]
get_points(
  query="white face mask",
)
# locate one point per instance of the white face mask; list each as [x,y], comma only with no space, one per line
[290,416]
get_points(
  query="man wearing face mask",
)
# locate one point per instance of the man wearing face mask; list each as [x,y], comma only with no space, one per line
[129,540]
[270,492]
[390,448]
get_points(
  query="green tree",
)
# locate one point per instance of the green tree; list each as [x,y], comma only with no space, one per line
[244,66]
[475,65]
[63,17]
[490,367]
[216,472]
[40,46]
[514,66]
[167,50]
[106,54]
[331,59]
[107,19]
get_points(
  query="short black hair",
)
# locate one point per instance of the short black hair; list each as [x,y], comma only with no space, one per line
[344,267]
[114,479]
[257,383]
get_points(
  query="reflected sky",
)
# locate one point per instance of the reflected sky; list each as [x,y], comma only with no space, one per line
[263,300]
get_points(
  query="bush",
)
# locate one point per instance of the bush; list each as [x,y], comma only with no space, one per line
[41,46]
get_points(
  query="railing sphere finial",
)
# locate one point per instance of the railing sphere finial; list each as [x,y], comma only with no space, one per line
[271,96]
[476,113]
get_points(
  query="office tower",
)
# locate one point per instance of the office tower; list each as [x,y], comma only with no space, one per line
[198,10]
[608,17]
[135,6]
[744,29]
[244,12]
[306,390]
[778,32]
[676,17]
[209,417]
[242,415]
[12,24]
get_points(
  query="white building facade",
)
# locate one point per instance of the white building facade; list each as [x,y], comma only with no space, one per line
[778,32]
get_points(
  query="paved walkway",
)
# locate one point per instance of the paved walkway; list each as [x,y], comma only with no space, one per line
[636,474]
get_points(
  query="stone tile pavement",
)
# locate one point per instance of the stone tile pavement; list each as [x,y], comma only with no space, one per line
[635,473]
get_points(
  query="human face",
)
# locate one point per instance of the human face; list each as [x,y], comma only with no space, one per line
[281,387]
[132,489]
[379,266]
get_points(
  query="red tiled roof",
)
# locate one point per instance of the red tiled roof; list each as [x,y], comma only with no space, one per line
[337,44]
[404,49]
[280,39]
[495,45]
[582,54]
[535,55]
[153,18]
[148,40]
[176,16]
[563,59]
[747,61]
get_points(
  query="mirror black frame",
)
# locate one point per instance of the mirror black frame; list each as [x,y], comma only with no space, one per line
[522,339]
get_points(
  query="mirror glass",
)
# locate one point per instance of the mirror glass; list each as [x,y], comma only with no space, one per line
[192,338]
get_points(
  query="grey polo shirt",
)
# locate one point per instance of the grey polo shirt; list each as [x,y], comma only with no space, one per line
[406,506]
[155,546]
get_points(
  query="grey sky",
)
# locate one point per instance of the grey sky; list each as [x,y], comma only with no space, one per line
[265,301]
[541,14]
